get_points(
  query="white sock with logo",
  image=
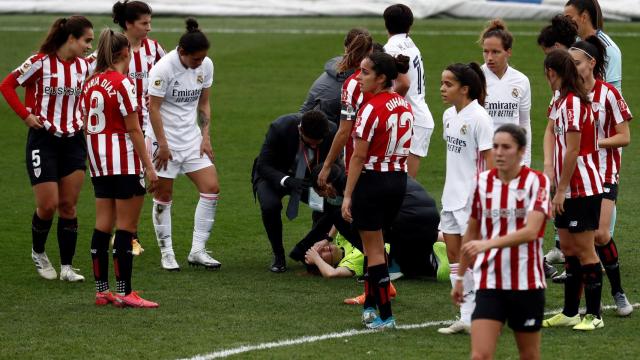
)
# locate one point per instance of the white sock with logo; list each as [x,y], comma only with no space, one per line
[203,221]
[469,304]
[161,216]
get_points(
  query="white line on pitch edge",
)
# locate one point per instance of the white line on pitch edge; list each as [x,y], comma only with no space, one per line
[310,31]
[336,335]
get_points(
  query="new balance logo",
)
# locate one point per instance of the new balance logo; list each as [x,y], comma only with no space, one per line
[529,322]
[573,224]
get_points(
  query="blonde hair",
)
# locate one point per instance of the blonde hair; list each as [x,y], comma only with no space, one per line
[110,45]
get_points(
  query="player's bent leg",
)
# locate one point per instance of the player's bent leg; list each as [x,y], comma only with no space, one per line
[484,337]
[528,344]
[206,181]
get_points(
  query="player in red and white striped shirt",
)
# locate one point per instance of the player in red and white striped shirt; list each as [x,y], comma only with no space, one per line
[612,116]
[116,149]
[351,99]
[134,17]
[56,151]
[509,209]
[377,177]
[571,160]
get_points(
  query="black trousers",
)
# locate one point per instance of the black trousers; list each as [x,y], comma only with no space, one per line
[270,199]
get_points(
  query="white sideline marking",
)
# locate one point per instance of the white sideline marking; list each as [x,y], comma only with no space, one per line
[336,335]
[311,31]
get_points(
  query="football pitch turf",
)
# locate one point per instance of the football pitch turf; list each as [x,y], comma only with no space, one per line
[263,69]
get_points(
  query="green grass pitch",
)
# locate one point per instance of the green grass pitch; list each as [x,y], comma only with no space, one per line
[261,74]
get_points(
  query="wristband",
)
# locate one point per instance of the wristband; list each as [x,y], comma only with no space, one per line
[459,277]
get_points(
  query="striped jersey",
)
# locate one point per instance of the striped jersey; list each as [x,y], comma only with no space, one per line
[53,87]
[141,63]
[352,99]
[467,133]
[106,99]
[386,123]
[609,109]
[570,114]
[501,209]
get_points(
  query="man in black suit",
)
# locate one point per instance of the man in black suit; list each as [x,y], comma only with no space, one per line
[294,144]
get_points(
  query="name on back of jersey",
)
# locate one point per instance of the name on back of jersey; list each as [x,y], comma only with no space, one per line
[395,102]
[104,83]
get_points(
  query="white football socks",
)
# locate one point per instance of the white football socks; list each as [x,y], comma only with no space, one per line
[468,292]
[203,221]
[161,215]
[469,304]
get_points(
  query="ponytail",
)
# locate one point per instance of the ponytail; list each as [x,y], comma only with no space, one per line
[387,65]
[357,45]
[193,40]
[592,7]
[110,46]
[562,63]
[562,30]
[471,75]
[61,29]
[594,49]
[126,11]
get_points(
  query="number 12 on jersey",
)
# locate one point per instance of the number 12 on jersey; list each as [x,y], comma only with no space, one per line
[404,128]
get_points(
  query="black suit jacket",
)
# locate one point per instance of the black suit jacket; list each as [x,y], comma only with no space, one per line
[277,156]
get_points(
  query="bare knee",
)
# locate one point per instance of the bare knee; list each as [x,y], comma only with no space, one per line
[480,355]
[47,209]
[212,188]
[163,195]
[602,236]
[67,209]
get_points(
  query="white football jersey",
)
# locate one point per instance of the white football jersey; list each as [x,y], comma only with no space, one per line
[402,44]
[509,101]
[466,133]
[181,88]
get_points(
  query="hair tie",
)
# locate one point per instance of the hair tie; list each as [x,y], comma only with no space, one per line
[584,52]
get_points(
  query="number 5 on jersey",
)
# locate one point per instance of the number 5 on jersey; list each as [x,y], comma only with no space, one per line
[404,127]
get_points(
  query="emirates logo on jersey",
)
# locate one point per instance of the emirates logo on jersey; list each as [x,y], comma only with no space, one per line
[515,93]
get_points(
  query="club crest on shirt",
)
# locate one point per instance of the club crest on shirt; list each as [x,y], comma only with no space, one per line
[622,105]
[515,93]
[200,78]
[520,194]
[345,96]
[595,106]
[157,83]
[570,116]
[542,195]
[36,172]
[464,129]
[25,67]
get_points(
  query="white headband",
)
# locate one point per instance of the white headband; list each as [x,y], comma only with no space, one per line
[584,52]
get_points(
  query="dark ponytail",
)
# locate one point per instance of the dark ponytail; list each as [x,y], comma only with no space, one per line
[61,29]
[110,46]
[357,46]
[594,49]
[193,40]
[562,30]
[592,7]
[471,75]
[562,63]
[126,11]
[390,67]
